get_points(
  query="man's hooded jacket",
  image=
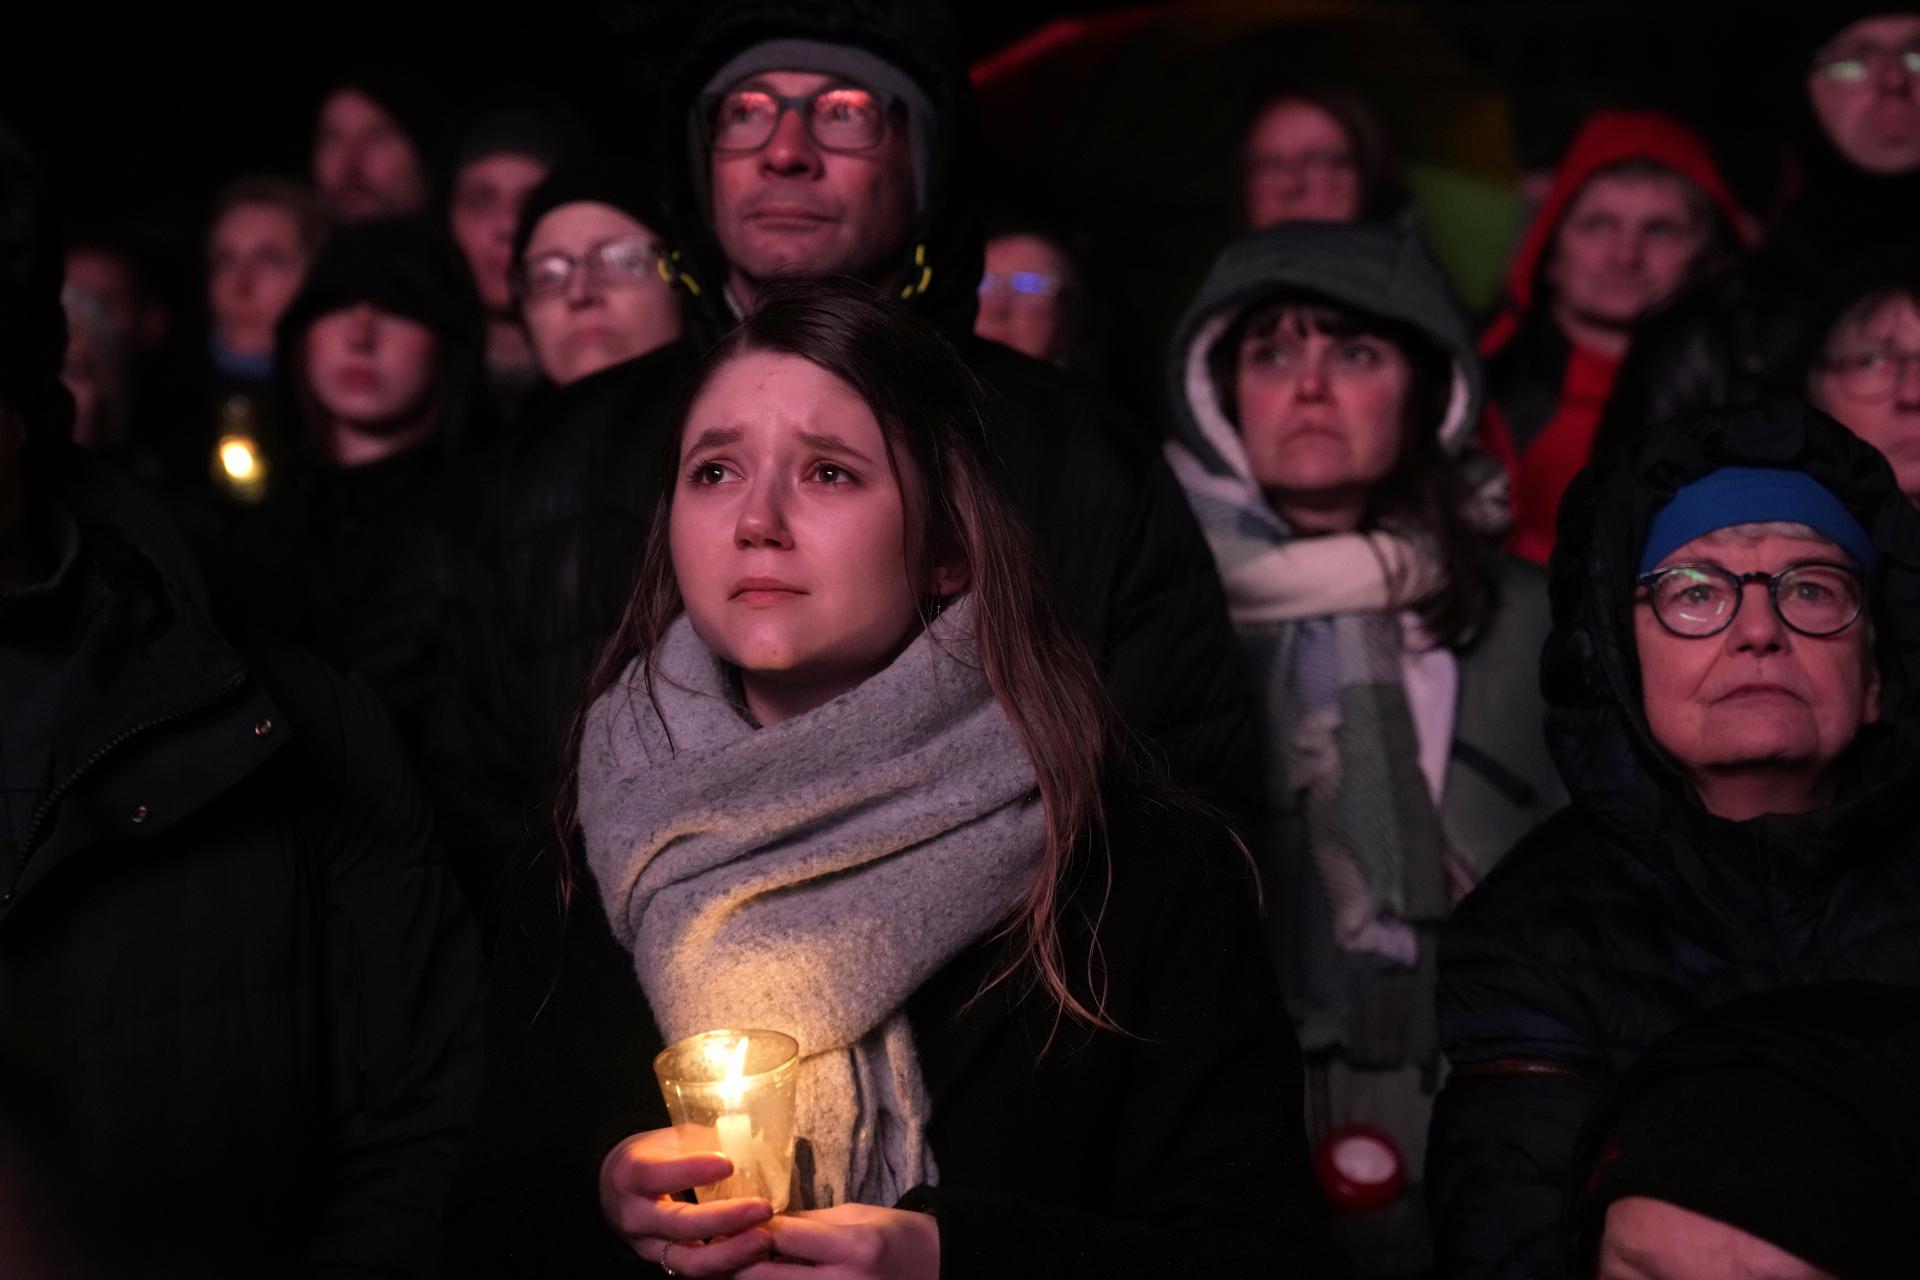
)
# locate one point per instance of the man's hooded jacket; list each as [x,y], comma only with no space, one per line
[1635,909]
[1121,549]
[1545,395]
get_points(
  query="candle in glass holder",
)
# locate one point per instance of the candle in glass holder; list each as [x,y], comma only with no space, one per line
[733,1092]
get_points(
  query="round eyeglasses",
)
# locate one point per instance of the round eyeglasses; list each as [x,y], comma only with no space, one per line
[1701,600]
[1868,373]
[838,118]
[624,260]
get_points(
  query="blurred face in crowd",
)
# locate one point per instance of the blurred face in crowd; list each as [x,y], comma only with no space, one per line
[93,373]
[372,373]
[1862,86]
[793,206]
[790,533]
[1321,407]
[364,164]
[487,195]
[255,263]
[1299,166]
[1650,1239]
[111,281]
[1757,700]
[592,295]
[1868,376]
[1027,297]
[1628,243]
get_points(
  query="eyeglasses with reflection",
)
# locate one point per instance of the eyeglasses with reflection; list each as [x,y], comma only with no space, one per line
[621,261]
[1856,64]
[838,118]
[1868,373]
[1028,284]
[1695,601]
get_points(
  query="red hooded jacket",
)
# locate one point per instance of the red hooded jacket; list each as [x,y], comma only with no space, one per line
[1542,471]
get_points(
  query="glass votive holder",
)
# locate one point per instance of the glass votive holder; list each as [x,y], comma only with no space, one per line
[733,1092]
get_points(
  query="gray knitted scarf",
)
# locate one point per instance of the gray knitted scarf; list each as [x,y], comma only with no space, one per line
[808,877]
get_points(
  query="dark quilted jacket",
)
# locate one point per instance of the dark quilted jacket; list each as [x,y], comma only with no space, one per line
[1634,909]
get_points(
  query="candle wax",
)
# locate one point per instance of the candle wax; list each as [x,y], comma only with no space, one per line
[736,1144]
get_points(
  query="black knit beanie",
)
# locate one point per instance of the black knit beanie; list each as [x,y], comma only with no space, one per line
[595,181]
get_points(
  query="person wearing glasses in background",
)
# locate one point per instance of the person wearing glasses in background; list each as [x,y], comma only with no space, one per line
[1031,295]
[1730,680]
[1316,155]
[563,502]
[587,274]
[1854,125]
[1861,359]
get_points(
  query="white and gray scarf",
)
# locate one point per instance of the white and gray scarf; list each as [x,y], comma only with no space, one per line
[808,877]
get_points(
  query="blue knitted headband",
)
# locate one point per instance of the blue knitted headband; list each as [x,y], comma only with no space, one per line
[1749,495]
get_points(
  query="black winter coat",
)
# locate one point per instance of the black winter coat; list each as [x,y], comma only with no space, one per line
[1175,1151]
[1633,910]
[228,940]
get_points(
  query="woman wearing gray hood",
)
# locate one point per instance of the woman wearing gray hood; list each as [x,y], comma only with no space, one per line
[1325,388]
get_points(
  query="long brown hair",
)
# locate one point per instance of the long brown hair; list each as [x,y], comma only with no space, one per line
[931,409]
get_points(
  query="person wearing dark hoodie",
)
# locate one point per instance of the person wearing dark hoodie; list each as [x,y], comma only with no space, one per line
[1773,1136]
[1637,211]
[358,551]
[1854,116]
[1115,536]
[839,137]
[1325,388]
[1731,680]
[227,941]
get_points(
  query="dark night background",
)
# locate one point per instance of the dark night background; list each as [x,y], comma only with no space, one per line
[140,114]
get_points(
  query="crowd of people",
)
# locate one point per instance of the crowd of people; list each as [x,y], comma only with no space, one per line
[1431,796]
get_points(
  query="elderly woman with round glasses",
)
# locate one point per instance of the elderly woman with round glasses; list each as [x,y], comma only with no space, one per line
[1731,683]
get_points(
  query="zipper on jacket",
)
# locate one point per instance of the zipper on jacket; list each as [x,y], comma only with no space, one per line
[60,789]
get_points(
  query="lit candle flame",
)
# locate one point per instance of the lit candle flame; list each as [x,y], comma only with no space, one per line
[732,1061]
[236,458]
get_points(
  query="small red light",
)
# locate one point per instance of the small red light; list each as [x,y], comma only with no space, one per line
[1360,1168]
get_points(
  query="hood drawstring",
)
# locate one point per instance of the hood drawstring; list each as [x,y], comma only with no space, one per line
[926,274]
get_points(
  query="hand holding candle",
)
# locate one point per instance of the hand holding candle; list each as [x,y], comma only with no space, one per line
[733,1092]
[640,1180]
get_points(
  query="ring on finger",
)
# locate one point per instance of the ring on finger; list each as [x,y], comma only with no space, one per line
[666,1247]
